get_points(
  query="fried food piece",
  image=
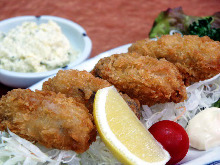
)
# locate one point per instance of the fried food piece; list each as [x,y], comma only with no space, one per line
[51,119]
[83,86]
[149,80]
[197,58]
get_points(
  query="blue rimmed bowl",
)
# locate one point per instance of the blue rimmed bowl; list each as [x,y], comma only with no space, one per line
[76,35]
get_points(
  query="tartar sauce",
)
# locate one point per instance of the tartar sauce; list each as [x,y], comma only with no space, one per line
[204,129]
[35,48]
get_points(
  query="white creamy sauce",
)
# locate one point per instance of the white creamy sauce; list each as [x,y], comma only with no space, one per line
[35,48]
[204,129]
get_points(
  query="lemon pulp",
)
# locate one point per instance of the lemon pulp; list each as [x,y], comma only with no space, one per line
[123,133]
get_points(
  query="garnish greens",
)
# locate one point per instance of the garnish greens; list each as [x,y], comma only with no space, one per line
[217,104]
[203,28]
[176,20]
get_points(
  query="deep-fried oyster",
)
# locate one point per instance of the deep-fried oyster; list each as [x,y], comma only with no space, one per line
[148,79]
[51,119]
[197,58]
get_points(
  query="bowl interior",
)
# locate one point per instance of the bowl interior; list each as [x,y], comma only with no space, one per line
[75,33]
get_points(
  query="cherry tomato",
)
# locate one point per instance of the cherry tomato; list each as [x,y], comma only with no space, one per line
[173,138]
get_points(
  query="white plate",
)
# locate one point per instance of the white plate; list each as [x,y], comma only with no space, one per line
[193,157]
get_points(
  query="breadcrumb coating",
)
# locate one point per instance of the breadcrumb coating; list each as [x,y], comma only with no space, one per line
[148,79]
[197,58]
[50,119]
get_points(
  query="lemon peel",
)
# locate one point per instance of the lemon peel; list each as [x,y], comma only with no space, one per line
[121,131]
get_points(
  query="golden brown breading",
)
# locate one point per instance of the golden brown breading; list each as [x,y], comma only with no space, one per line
[51,119]
[149,80]
[197,58]
[82,86]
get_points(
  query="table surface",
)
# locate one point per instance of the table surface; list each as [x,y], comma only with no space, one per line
[109,23]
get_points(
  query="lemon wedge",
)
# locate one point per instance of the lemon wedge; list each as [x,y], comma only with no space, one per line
[121,131]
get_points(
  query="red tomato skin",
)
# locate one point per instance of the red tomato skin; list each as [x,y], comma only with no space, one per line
[173,138]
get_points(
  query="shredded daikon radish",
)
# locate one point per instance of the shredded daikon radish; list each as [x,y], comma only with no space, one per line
[98,154]
[16,150]
[201,95]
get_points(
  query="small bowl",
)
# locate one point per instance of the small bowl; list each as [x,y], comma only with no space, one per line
[75,34]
